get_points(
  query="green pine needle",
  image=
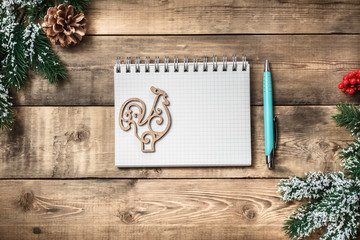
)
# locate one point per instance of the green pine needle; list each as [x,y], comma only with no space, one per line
[14,66]
[39,11]
[350,157]
[78,5]
[6,113]
[333,206]
[295,227]
[23,45]
[46,62]
[349,117]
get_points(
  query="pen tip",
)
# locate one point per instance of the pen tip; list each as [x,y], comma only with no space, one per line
[269,160]
[266,67]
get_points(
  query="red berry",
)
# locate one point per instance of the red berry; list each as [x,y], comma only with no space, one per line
[358,72]
[351,91]
[340,86]
[353,81]
[345,77]
[343,90]
[353,73]
[346,82]
[358,81]
[349,75]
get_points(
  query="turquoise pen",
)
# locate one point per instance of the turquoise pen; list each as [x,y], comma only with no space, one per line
[270,124]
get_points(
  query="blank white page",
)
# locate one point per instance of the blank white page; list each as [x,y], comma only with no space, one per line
[210,117]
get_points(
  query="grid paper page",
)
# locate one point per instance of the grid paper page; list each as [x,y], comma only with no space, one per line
[210,114]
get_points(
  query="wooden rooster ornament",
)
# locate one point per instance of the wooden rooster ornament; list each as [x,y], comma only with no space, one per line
[128,118]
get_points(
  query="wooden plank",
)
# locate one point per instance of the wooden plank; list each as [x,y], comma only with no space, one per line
[223,17]
[306,69]
[142,209]
[77,142]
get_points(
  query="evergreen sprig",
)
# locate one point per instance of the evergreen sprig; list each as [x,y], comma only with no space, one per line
[350,157]
[24,46]
[14,66]
[40,56]
[349,117]
[39,11]
[333,198]
[6,113]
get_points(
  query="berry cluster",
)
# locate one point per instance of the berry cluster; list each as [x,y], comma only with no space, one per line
[350,82]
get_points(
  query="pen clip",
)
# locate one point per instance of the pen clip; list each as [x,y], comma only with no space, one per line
[275,132]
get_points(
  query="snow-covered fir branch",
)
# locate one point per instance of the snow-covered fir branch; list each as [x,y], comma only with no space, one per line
[6,114]
[8,6]
[30,36]
[312,186]
[334,205]
[23,45]
[350,157]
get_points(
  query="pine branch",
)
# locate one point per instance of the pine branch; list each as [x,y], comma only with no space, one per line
[14,64]
[301,223]
[79,5]
[309,187]
[2,50]
[337,212]
[42,59]
[349,117]
[6,113]
[350,157]
[40,10]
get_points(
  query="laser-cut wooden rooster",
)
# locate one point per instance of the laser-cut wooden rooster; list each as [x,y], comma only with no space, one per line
[128,118]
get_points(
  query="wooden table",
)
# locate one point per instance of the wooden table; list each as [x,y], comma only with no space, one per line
[58,179]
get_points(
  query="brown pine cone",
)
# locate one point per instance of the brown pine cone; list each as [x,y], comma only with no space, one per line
[64,26]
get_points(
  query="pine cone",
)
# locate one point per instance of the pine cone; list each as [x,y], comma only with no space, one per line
[64,26]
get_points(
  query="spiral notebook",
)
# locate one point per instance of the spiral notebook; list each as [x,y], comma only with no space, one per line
[182,114]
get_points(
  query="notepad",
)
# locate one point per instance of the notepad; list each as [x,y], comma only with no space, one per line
[182,114]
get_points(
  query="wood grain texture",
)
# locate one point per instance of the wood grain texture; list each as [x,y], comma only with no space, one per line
[78,142]
[67,131]
[305,69]
[224,16]
[142,209]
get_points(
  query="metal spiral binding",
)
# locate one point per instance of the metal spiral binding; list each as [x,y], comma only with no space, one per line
[157,64]
[176,64]
[215,64]
[234,67]
[224,63]
[205,65]
[137,64]
[118,62]
[243,63]
[186,64]
[205,68]
[128,62]
[196,65]
[166,64]
[147,64]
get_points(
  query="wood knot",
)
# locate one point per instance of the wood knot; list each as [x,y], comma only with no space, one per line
[36,230]
[26,201]
[126,217]
[158,171]
[79,135]
[248,211]
[132,183]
